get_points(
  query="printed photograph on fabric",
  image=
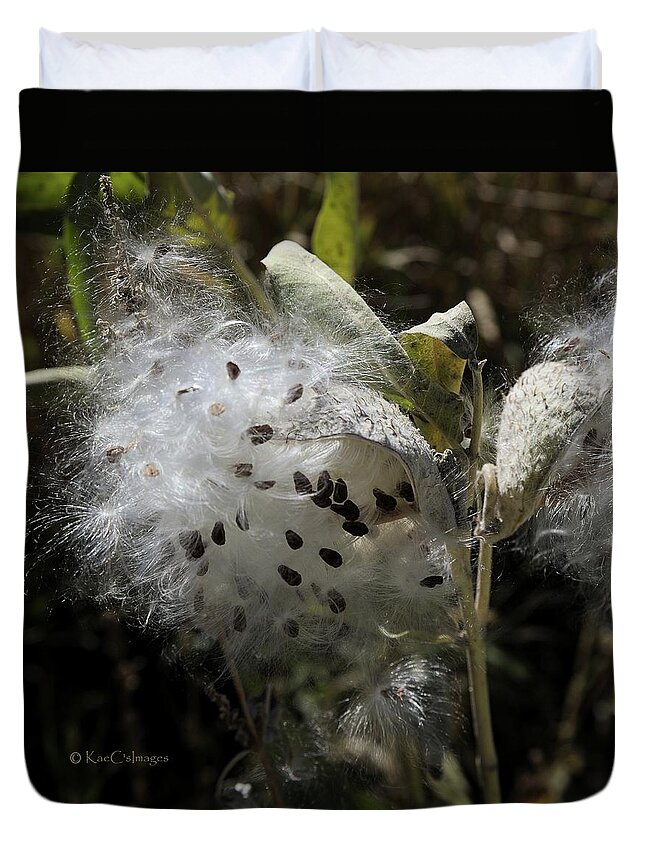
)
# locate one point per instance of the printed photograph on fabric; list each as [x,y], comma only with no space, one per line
[320,487]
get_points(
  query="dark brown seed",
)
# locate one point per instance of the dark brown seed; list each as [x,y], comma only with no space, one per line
[243,469]
[431,581]
[290,576]
[242,520]
[260,433]
[318,593]
[244,585]
[348,510]
[188,390]
[217,409]
[324,490]
[356,528]
[332,558]
[218,533]
[323,503]
[150,470]
[384,501]
[340,491]
[114,453]
[291,628]
[325,485]
[239,619]
[232,369]
[198,601]
[202,569]
[336,601]
[406,491]
[264,485]
[293,540]
[294,393]
[302,483]
[191,542]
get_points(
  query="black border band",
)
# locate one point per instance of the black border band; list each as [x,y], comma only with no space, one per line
[285,131]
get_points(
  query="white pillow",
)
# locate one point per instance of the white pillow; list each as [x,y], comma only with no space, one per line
[566,62]
[286,62]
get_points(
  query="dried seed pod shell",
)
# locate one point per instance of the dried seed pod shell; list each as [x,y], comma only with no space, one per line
[550,404]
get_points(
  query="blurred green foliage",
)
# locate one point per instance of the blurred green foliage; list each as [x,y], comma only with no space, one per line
[416,243]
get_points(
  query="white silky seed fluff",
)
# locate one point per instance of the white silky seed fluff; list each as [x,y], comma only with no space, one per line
[197,501]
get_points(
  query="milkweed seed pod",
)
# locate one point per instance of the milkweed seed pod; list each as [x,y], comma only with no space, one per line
[243,479]
[551,418]
[573,526]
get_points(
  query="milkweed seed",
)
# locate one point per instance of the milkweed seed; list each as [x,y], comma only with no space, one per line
[318,594]
[290,576]
[291,628]
[241,519]
[431,581]
[217,409]
[191,542]
[294,393]
[356,528]
[114,453]
[384,501]
[340,491]
[243,469]
[348,510]
[218,533]
[188,390]
[336,601]
[264,485]
[332,558]
[324,490]
[260,433]
[150,470]
[232,369]
[302,483]
[244,585]
[406,491]
[294,541]
[239,619]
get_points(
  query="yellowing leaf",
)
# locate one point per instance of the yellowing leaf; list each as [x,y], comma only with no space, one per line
[435,359]
[335,234]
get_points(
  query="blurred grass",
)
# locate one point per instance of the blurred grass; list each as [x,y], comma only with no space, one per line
[423,242]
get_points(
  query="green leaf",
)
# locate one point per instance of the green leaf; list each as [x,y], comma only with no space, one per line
[335,234]
[306,287]
[442,345]
[75,258]
[131,186]
[42,190]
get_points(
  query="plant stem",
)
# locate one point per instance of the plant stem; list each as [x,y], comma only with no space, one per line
[272,782]
[484,581]
[486,756]
[72,373]
[476,427]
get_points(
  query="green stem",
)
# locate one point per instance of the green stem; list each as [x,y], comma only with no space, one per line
[476,428]
[484,581]
[486,755]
